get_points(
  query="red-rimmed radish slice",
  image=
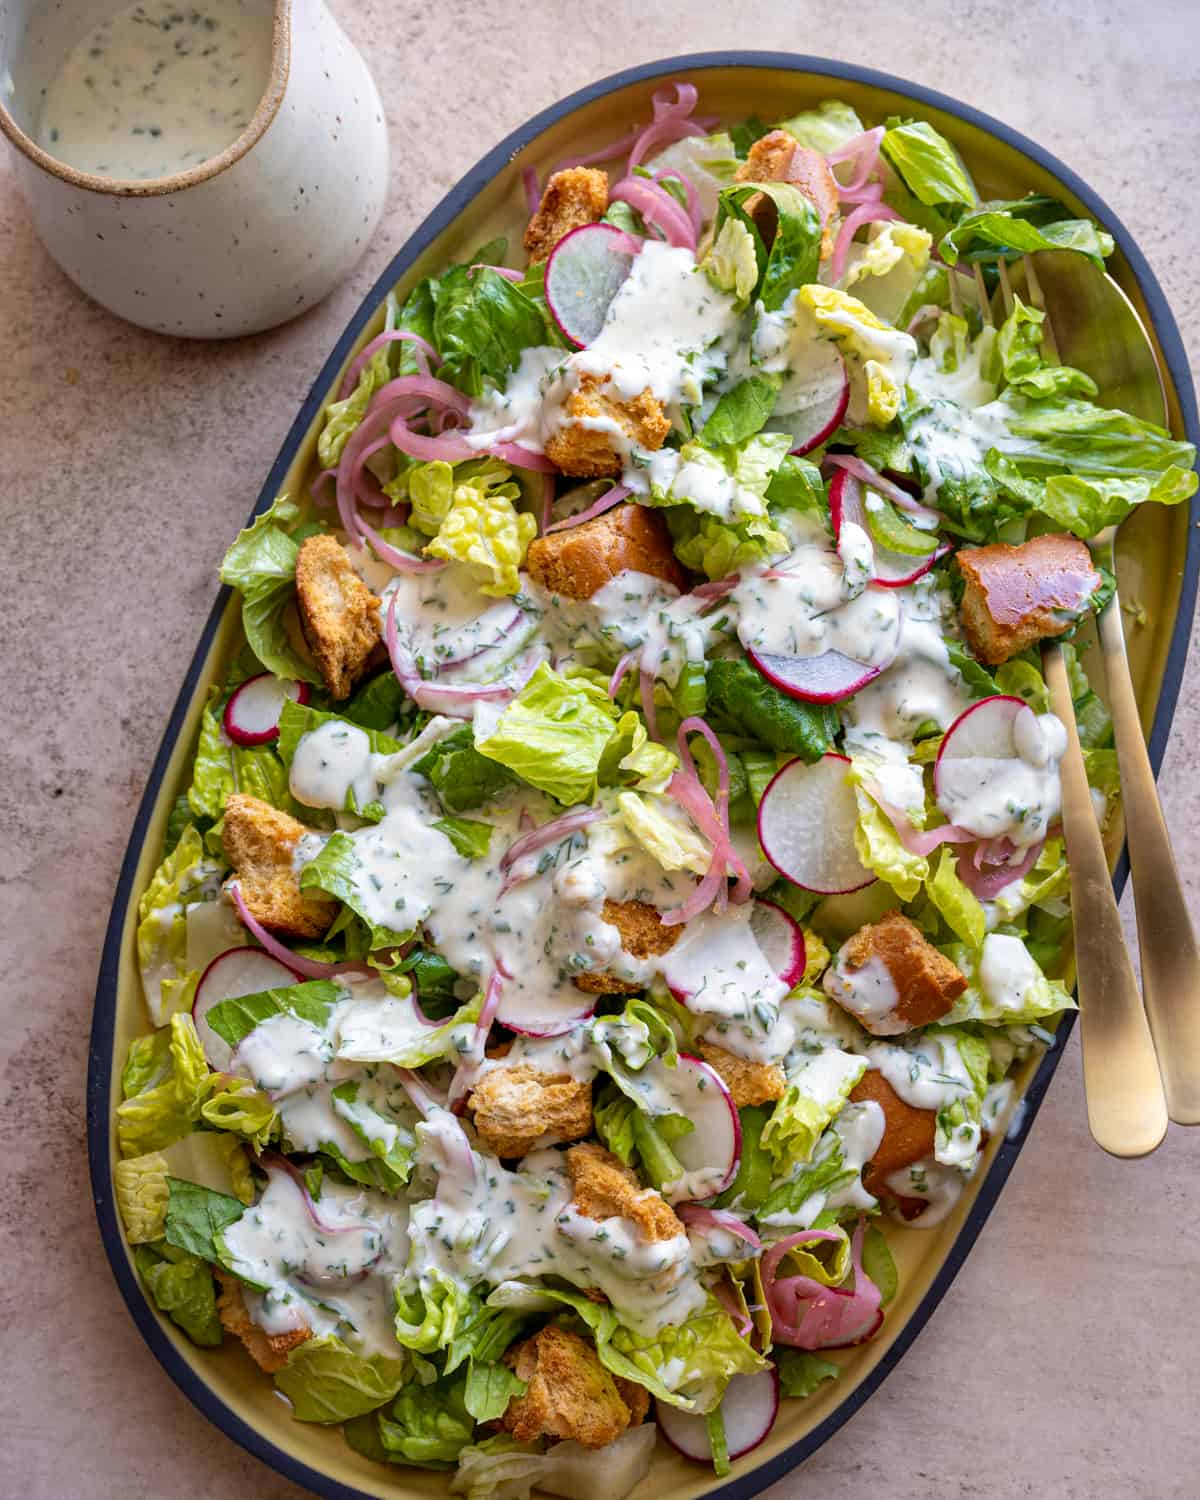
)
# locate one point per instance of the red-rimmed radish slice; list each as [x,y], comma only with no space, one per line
[779,936]
[828,678]
[818,395]
[531,1014]
[748,1410]
[715,1141]
[893,570]
[806,823]
[236,972]
[983,732]
[583,275]
[252,713]
[719,956]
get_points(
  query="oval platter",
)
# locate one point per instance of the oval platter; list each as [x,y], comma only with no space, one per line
[1160,562]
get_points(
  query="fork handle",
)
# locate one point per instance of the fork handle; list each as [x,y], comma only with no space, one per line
[1170,961]
[1127,1113]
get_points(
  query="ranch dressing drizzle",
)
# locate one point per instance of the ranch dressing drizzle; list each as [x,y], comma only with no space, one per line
[158,88]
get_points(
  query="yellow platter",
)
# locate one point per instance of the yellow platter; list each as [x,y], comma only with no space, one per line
[1159,561]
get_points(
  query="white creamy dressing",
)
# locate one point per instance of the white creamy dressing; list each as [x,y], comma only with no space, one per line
[856,1133]
[938,1185]
[811,605]
[516,413]
[443,619]
[335,1279]
[158,88]
[926,1071]
[489,1224]
[720,971]
[1016,796]
[1007,971]
[868,993]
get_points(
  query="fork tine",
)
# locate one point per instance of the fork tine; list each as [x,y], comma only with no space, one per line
[985,305]
[1036,299]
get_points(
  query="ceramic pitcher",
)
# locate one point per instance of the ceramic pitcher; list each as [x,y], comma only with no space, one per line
[240,242]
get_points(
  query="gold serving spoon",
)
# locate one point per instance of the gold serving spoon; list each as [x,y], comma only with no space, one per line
[1126,1106]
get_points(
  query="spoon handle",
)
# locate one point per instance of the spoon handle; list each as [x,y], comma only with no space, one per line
[1170,961]
[1127,1113]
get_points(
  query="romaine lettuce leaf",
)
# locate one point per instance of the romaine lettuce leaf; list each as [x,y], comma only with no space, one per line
[552,735]
[801,1374]
[220,768]
[729,482]
[462,777]
[483,528]
[428,1312]
[334,870]
[164,1112]
[427,1425]
[140,1183]
[794,255]
[502,1469]
[741,411]
[742,701]
[312,1000]
[1006,230]
[708,545]
[481,323]
[261,565]
[959,907]
[196,1216]
[182,1287]
[185,876]
[928,164]
[880,849]
[326,1382]
[825,128]
[816,1091]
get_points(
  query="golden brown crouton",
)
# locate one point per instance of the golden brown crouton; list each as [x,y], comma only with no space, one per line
[604,1188]
[587,452]
[269,1351]
[260,843]
[579,562]
[570,1394]
[573,197]
[1018,595]
[907,1132]
[777,157]
[636,1397]
[642,934]
[521,1107]
[339,612]
[749,1082]
[926,982]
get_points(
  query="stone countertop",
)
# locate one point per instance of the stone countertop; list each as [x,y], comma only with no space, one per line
[1063,1362]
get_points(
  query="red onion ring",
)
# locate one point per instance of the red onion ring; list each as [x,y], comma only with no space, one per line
[403,562]
[922,841]
[310,968]
[727,1297]
[874,480]
[549,833]
[658,208]
[987,885]
[621,669]
[869,212]
[606,501]
[697,725]
[861,152]
[533,193]
[424,348]
[717,1218]
[272,1162]
[693,199]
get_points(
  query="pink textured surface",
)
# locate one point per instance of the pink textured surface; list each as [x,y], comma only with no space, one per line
[1063,1363]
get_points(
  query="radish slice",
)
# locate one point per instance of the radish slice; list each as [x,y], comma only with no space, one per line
[748,1410]
[983,731]
[236,972]
[818,390]
[893,570]
[980,748]
[533,1014]
[584,274]
[779,936]
[713,1148]
[252,713]
[828,678]
[806,823]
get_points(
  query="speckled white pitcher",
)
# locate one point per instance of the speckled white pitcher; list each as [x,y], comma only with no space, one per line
[241,242]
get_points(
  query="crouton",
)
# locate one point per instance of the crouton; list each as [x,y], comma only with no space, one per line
[924,983]
[579,562]
[642,934]
[1015,596]
[260,843]
[569,1395]
[339,613]
[586,451]
[519,1108]
[777,157]
[749,1082]
[604,1188]
[269,1351]
[907,1132]
[571,198]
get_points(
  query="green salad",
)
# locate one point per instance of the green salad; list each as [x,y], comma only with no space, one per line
[621,876]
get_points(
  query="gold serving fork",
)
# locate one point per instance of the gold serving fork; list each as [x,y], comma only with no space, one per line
[1126,1100]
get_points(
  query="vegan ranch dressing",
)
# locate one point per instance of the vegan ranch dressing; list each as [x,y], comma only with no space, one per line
[158,87]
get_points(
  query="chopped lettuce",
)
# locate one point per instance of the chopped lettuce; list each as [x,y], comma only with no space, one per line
[881,356]
[221,768]
[802,1374]
[878,846]
[185,876]
[825,128]
[708,545]
[815,1093]
[427,1425]
[959,907]
[794,254]
[428,1311]
[165,1111]
[334,870]
[928,164]
[742,701]
[312,1000]
[552,735]
[659,826]
[462,777]
[741,411]
[326,1382]
[182,1287]
[482,323]
[140,1183]
[1006,985]
[502,1469]
[728,482]
[196,1217]
[1007,230]
[261,565]
[483,528]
